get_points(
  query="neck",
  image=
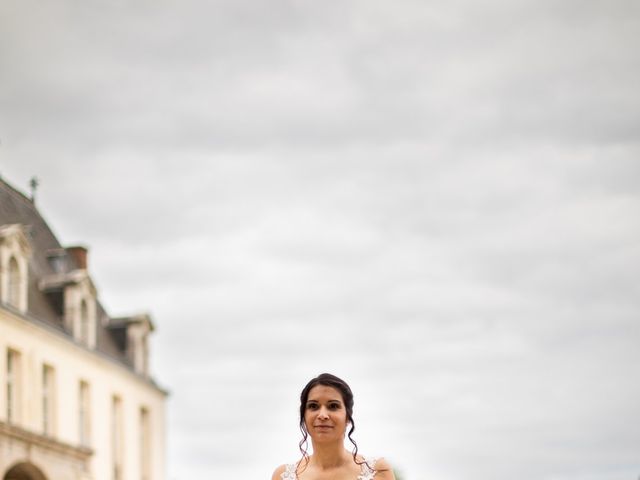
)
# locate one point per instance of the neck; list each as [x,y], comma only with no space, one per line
[329,455]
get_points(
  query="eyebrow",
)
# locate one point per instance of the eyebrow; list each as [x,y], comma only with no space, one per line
[328,401]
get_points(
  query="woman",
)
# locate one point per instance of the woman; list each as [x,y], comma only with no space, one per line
[326,410]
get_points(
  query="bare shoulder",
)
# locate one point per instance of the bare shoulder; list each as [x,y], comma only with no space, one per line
[384,471]
[277,473]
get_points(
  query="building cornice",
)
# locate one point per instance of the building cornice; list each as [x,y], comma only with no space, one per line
[48,443]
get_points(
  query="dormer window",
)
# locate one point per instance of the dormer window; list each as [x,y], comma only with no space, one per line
[14,266]
[80,311]
[139,343]
[144,367]
[73,293]
[14,287]
[84,323]
[133,334]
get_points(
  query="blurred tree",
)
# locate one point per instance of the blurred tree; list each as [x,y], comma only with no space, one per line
[398,475]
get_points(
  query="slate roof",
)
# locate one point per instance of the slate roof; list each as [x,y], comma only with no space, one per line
[16,208]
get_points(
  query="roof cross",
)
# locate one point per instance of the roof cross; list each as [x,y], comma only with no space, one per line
[33,183]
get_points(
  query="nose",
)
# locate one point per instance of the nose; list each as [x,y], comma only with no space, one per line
[323,413]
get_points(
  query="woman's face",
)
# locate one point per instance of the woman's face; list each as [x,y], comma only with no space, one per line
[325,414]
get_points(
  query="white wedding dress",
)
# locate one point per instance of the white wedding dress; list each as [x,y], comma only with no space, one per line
[365,473]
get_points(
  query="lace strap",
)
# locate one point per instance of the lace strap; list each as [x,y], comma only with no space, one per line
[289,472]
[368,472]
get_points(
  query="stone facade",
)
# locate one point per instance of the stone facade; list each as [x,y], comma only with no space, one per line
[77,401]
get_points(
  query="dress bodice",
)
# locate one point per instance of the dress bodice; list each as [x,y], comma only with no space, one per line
[366,473]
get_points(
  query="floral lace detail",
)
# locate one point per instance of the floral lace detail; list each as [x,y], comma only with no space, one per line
[289,472]
[366,472]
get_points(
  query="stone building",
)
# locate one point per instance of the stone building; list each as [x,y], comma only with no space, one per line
[76,398]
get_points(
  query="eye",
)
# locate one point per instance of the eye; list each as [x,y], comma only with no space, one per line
[312,406]
[334,406]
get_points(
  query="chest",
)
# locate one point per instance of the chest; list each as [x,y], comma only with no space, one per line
[335,474]
[349,473]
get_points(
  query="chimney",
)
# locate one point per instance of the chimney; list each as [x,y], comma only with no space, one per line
[79,255]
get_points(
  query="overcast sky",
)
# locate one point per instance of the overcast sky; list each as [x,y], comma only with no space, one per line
[438,201]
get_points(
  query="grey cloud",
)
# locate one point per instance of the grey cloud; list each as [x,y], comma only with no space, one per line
[437,201]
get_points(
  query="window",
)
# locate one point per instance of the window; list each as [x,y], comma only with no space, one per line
[14,265]
[116,437]
[84,415]
[145,355]
[14,283]
[80,312]
[145,445]
[84,323]
[48,400]
[141,354]
[13,386]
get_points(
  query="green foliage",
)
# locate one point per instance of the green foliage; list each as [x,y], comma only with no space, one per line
[398,475]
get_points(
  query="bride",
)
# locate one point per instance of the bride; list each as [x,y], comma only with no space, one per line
[326,409]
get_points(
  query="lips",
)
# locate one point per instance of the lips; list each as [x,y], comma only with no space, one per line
[323,427]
